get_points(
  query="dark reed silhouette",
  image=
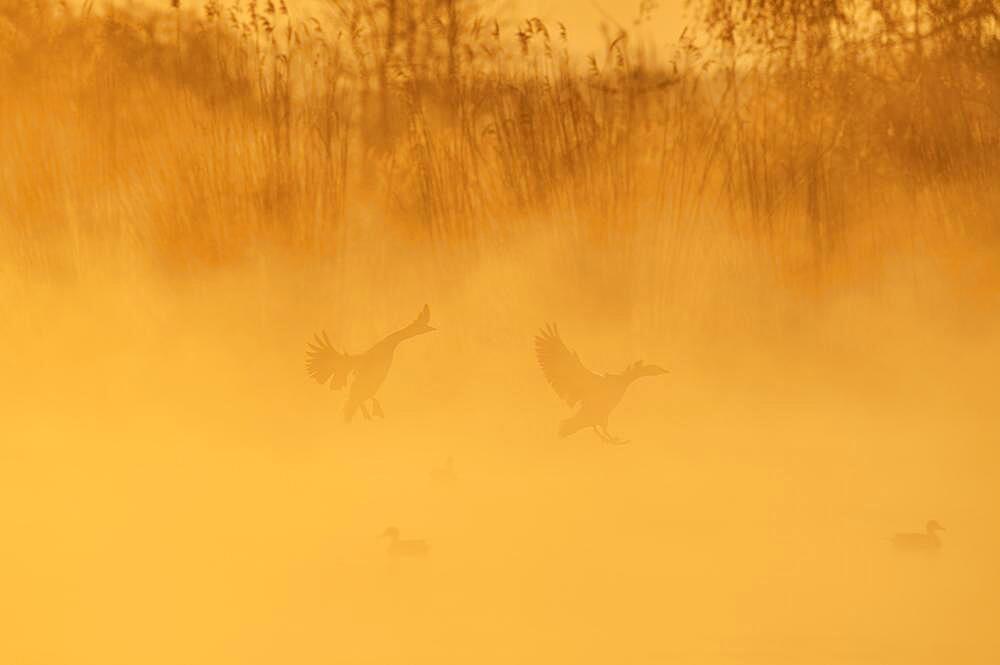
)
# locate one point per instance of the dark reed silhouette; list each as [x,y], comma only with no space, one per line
[368,370]
[919,542]
[597,395]
[404,548]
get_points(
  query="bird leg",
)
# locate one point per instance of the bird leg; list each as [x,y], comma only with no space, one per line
[606,435]
[377,409]
[364,412]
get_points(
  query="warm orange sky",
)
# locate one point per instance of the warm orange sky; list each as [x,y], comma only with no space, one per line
[583,18]
[179,218]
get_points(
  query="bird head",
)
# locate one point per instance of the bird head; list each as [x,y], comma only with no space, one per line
[639,368]
[420,325]
[933,526]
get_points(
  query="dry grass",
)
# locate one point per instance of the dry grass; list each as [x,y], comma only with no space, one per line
[807,240]
[191,142]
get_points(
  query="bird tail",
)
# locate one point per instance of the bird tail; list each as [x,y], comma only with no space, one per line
[325,363]
[571,426]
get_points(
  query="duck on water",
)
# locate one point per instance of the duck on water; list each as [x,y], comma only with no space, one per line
[919,542]
[399,547]
[444,476]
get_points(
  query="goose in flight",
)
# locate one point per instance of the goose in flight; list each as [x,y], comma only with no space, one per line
[597,395]
[404,548]
[921,542]
[366,371]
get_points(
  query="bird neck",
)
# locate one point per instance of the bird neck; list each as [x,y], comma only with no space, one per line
[618,383]
[395,338]
[630,376]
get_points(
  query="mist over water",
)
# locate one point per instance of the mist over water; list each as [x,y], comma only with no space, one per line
[177,490]
[189,195]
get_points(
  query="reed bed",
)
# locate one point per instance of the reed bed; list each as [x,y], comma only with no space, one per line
[188,139]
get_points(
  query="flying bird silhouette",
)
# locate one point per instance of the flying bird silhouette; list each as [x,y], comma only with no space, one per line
[597,395]
[920,542]
[368,370]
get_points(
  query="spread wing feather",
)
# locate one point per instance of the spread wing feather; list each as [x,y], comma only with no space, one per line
[325,363]
[562,367]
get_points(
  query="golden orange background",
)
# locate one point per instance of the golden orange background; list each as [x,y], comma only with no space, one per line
[175,490]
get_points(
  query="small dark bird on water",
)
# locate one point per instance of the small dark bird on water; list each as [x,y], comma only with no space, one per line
[597,395]
[445,476]
[404,548]
[919,542]
[369,369]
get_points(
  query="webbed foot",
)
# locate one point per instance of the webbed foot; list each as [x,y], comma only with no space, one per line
[608,438]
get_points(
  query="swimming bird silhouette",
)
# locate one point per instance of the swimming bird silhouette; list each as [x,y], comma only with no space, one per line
[404,548]
[920,542]
[445,476]
[597,395]
[325,363]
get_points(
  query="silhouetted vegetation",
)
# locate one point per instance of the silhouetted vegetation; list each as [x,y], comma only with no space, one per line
[201,138]
[793,206]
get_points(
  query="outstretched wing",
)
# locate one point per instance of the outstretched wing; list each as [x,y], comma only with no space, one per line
[562,367]
[324,363]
